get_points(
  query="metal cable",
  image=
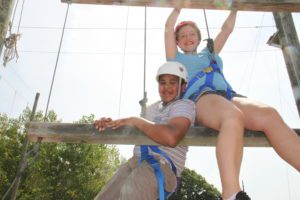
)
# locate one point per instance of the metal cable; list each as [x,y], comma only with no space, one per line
[123,64]
[56,63]
[143,102]
[210,42]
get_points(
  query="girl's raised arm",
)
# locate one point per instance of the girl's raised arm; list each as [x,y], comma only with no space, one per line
[170,38]
[226,30]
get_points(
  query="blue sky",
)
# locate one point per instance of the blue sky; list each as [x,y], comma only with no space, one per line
[100,71]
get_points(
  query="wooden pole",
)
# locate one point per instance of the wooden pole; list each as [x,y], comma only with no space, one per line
[23,161]
[6,7]
[245,5]
[289,43]
[86,133]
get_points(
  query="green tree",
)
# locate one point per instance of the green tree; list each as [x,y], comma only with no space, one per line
[71,171]
[11,142]
[61,171]
[194,187]
[10,150]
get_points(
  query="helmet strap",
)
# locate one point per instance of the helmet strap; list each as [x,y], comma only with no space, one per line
[179,89]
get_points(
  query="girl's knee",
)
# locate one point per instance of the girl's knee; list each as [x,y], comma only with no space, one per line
[265,119]
[233,119]
[271,112]
[235,116]
[268,115]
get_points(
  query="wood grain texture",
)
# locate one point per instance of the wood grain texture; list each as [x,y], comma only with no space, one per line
[246,5]
[86,133]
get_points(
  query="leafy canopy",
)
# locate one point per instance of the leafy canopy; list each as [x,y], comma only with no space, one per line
[61,171]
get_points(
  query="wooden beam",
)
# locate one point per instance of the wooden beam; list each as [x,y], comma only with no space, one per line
[246,5]
[289,43]
[86,133]
[6,8]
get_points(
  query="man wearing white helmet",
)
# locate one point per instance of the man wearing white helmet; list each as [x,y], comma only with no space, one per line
[153,171]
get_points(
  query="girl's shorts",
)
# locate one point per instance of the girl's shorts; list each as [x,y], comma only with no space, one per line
[219,92]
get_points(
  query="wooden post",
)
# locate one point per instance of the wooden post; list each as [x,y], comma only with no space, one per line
[23,161]
[6,7]
[289,43]
[246,5]
[86,133]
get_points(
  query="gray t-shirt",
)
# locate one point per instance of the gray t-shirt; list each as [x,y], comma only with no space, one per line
[160,114]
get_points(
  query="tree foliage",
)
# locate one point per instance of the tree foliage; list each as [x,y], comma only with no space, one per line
[71,171]
[194,187]
[61,171]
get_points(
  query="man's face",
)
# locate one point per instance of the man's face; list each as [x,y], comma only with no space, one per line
[168,87]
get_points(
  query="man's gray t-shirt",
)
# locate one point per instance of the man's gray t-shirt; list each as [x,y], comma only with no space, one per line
[160,114]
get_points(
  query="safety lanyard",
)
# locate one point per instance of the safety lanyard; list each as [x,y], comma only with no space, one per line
[156,167]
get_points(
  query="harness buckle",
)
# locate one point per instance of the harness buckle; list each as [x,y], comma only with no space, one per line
[208,69]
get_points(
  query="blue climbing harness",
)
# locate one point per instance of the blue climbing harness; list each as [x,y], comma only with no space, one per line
[209,72]
[156,167]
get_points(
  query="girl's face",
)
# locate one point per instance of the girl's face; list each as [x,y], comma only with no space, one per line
[188,39]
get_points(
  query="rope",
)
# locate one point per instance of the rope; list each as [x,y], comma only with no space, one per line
[34,152]
[21,16]
[206,23]
[255,46]
[143,102]
[13,103]
[133,28]
[278,79]
[14,13]
[210,42]
[123,61]
[10,43]
[13,88]
[56,63]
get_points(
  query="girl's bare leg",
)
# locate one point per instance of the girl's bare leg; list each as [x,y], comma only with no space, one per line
[218,113]
[260,117]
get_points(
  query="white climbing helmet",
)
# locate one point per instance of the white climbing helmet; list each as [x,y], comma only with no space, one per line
[173,68]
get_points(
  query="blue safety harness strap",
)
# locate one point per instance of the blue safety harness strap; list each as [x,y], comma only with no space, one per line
[157,150]
[156,167]
[209,72]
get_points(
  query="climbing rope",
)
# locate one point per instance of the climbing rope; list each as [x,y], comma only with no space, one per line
[251,65]
[34,152]
[210,42]
[56,63]
[123,62]
[10,43]
[143,102]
